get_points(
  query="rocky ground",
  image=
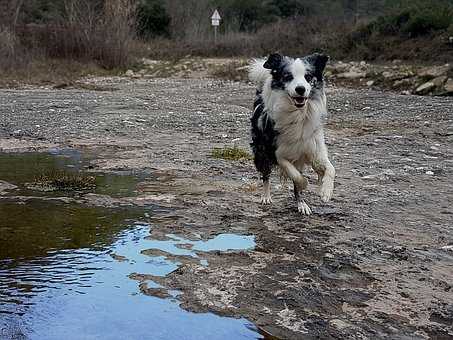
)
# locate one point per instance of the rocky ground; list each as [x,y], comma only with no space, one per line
[399,76]
[375,263]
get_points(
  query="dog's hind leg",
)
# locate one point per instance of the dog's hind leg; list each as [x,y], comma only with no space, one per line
[264,166]
[302,207]
[266,198]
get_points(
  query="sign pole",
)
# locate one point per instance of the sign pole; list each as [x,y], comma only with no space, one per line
[215,21]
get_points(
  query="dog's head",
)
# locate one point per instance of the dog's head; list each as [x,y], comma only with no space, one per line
[301,78]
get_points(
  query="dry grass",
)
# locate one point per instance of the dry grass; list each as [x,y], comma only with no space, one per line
[42,71]
[235,70]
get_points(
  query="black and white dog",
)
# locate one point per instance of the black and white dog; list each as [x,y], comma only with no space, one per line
[287,122]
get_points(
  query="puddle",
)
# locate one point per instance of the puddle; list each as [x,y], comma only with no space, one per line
[22,168]
[85,291]
[223,242]
[64,268]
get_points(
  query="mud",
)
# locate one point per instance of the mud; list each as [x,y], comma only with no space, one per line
[372,264]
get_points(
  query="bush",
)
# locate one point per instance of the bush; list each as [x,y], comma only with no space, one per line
[417,20]
[426,19]
[86,31]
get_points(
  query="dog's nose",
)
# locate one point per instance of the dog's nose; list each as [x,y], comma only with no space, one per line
[300,90]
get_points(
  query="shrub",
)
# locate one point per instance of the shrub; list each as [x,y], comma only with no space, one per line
[87,31]
[426,19]
[417,20]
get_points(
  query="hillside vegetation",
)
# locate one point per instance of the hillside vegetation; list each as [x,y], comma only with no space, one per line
[57,36]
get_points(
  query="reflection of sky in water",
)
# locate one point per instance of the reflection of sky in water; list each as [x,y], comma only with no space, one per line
[222,242]
[97,300]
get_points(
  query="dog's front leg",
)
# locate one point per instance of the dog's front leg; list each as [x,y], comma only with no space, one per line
[302,207]
[325,170]
[300,183]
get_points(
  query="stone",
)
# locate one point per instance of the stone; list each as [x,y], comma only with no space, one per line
[407,82]
[352,75]
[341,67]
[150,62]
[448,86]
[339,324]
[4,186]
[129,73]
[439,81]
[425,88]
[370,83]
[434,71]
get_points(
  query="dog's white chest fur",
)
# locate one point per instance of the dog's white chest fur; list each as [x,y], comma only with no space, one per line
[297,129]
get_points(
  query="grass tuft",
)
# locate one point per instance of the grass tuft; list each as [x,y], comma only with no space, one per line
[231,153]
[61,180]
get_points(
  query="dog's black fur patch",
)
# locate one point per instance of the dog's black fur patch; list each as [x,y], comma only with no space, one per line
[279,71]
[263,139]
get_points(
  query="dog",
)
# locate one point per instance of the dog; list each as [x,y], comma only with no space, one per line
[286,125]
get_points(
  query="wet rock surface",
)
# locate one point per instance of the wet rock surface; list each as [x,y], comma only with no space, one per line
[373,263]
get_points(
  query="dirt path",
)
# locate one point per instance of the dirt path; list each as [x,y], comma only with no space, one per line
[376,262]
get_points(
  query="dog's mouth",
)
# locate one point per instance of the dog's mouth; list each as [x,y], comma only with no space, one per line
[299,101]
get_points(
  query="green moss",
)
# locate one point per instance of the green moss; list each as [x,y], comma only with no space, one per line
[231,153]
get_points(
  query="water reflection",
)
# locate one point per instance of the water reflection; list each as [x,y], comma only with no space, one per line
[64,267]
[86,292]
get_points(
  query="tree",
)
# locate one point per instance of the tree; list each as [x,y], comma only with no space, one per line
[152,19]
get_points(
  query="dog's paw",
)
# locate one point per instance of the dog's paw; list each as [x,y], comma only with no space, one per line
[303,208]
[266,200]
[326,190]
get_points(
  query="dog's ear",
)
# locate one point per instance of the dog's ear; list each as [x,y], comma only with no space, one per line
[319,62]
[273,61]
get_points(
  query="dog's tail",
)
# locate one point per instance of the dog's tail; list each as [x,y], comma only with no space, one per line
[257,73]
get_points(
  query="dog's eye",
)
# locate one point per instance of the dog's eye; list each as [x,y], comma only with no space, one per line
[308,77]
[287,76]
